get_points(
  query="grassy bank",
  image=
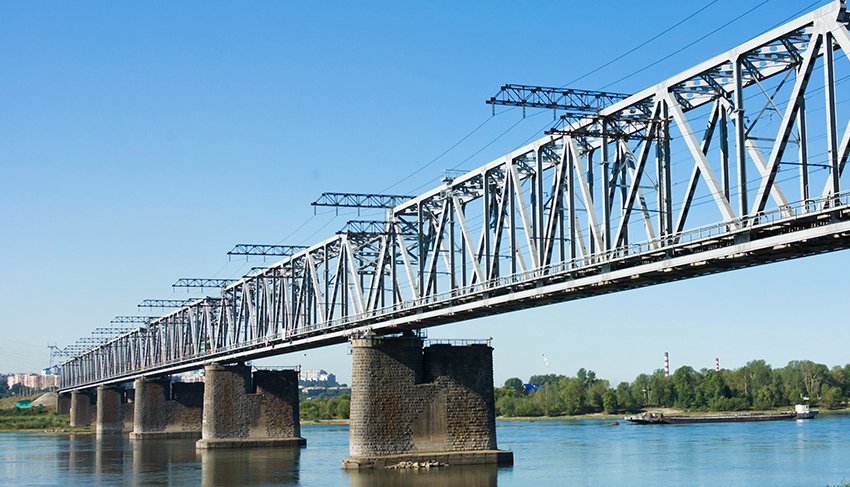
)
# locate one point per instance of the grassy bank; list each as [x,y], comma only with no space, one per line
[39,419]
[9,402]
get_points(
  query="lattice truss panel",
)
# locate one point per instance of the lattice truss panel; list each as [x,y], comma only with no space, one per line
[759,129]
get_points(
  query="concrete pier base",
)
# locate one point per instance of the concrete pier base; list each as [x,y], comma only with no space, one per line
[83,408]
[242,410]
[166,410]
[114,415]
[410,404]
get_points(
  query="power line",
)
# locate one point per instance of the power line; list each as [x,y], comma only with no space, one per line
[688,45]
[689,17]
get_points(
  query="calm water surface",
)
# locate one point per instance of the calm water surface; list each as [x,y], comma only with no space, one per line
[780,453]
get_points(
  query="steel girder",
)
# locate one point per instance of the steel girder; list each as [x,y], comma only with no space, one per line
[591,210]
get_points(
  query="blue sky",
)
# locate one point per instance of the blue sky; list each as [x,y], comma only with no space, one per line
[141,141]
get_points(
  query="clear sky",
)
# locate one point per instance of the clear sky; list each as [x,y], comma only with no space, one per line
[142,140]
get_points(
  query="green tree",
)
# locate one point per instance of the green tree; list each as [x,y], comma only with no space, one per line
[625,398]
[765,398]
[573,396]
[514,383]
[545,379]
[594,392]
[661,390]
[547,398]
[684,382]
[609,401]
[641,388]
[830,396]
[806,377]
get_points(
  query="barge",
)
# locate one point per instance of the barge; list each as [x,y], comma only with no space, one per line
[800,412]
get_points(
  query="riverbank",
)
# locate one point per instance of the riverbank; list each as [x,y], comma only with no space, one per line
[65,428]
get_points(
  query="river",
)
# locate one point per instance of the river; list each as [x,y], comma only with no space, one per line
[779,453]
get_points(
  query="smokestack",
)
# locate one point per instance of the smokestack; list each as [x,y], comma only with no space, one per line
[666,365]
[717,364]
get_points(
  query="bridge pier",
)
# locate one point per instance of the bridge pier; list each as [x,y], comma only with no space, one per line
[166,410]
[114,414]
[410,404]
[63,403]
[241,410]
[82,408]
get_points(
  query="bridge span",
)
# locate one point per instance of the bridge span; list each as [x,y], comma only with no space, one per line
[735,162]
[577,213]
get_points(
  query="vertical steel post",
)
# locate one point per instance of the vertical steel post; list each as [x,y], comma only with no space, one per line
[463,250]
[327,281]
[804,155]
[606,192]
[724,153]
[452,275]
[831,124]
[539,227]
[486,227]
[512,204]
[624,189]
[571,196]
[740,139]
[420,245]
[591,203]
[668,174]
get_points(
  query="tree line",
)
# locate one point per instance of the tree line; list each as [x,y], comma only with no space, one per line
[326,408]
[755,386]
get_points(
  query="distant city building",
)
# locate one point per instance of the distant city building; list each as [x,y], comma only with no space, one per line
[33,381]
[194,376]
[318,376]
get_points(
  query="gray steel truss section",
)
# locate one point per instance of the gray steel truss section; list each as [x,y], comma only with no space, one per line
[264,250]
[573,214]
[202,283]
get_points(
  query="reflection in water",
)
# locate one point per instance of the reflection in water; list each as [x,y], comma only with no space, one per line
[781,454]
[163,462]
[466,475]
[250,466]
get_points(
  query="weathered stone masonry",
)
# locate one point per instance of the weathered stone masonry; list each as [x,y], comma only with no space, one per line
[166,410]
[83,407]
[114,413]
[407,403]
[245,410]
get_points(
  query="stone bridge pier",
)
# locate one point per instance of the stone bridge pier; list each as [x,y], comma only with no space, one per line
[83,408]
[162,409]
[242,409]
[114,410]
[415,404]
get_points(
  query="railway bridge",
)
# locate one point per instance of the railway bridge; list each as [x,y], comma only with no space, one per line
[735,162]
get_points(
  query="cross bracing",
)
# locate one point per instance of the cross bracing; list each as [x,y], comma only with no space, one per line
[733,163]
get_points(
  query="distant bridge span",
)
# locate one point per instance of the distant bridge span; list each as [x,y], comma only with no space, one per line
[558,219]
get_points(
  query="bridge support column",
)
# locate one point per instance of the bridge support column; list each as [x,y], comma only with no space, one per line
[241,410]
[82,408]
[112,411]
[413,405]
[63,403]
[166,410]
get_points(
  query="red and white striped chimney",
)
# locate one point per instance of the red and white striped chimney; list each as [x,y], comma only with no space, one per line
[666,365]
[717,364]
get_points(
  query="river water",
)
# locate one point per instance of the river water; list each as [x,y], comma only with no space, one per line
[779,453]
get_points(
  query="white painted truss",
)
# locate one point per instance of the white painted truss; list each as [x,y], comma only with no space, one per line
[707,171]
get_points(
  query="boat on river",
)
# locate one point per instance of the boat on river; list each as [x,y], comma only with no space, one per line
[801,411]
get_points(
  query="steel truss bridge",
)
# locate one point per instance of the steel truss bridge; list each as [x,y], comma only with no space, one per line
[733,163]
